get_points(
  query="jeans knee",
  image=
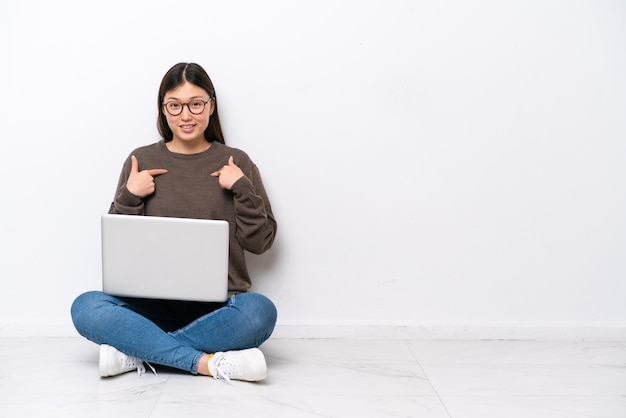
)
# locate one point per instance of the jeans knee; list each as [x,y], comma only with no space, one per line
[78,309]
[82,309]
[261,314]
[266,310]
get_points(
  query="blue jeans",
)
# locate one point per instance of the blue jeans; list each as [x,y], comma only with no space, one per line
[170,333]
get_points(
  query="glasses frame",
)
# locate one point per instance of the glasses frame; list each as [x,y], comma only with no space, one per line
[182,106]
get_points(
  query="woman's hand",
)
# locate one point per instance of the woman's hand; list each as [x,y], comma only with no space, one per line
[228,174]
[141,183]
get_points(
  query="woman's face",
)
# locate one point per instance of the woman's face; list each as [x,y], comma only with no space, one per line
[195,107]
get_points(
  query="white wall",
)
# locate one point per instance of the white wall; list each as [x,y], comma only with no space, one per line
[430,164]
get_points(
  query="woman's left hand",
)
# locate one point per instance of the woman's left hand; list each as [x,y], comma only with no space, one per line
[228,174]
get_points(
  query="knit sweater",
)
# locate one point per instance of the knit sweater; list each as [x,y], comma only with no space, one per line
[188,190]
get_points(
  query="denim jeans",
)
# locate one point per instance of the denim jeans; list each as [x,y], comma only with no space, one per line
[174,334]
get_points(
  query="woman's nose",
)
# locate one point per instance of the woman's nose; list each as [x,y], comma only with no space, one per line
[186,113]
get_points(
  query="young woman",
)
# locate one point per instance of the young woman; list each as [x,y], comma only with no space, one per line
[190,173]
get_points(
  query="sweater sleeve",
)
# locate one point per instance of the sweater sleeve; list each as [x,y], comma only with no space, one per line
[124,202]
[256,225]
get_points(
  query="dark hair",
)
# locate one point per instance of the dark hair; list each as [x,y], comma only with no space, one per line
[194,74]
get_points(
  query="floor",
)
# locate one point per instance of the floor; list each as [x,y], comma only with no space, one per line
[57,377]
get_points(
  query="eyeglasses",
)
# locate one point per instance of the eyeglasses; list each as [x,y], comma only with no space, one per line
[195,107]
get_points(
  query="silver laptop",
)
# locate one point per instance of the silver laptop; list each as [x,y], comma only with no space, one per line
[165,258]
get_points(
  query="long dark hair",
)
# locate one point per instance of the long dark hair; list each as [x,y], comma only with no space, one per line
[194,74]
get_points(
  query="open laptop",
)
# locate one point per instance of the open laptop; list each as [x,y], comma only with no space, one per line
[165,258]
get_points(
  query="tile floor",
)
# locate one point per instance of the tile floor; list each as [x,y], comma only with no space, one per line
[57,377]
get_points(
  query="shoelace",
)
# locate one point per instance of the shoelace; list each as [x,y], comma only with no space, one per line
[223,368]
[130,363]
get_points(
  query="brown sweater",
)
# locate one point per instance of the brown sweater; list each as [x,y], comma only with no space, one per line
[188,190]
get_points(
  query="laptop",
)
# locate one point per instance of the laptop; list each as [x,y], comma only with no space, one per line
[165,258]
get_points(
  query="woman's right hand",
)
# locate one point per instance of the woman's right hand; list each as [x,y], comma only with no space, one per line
[141,183]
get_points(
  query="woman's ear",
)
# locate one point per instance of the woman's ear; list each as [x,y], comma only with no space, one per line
[212,106]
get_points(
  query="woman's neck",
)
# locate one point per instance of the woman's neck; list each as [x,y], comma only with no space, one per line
[188,147]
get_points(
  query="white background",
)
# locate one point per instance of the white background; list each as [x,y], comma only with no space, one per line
[443,163]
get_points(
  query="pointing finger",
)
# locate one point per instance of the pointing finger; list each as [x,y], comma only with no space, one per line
[230,161]
[156,171]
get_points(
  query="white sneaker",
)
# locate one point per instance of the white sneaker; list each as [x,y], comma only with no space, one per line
[246,365]
[113,362]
